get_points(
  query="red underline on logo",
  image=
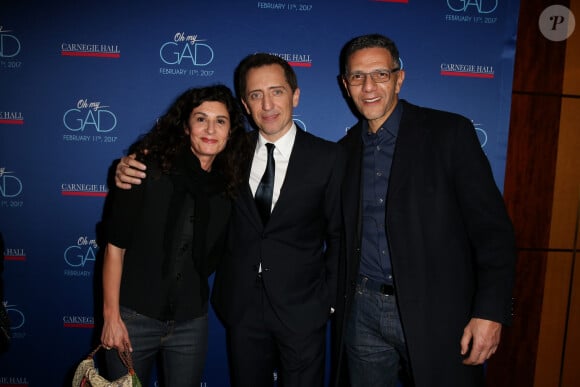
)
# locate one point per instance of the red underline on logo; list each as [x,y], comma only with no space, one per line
[94,54]
[15,258]
[470,75]
[79,325]
[300,64]
[77,193]
[12,122]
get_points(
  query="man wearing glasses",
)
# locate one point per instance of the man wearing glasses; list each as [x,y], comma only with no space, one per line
[428,260]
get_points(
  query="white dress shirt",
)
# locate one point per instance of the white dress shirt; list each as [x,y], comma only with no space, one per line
[282,151]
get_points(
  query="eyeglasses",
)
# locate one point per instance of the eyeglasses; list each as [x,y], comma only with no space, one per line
[378,76]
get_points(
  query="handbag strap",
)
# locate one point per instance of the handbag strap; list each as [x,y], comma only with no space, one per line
[125,357]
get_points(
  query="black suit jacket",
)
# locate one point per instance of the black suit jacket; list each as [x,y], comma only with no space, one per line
[451,242]
[298,247]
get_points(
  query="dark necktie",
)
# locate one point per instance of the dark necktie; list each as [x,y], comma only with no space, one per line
[265,189]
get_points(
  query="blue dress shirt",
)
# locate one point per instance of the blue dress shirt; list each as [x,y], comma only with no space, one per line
[378,151]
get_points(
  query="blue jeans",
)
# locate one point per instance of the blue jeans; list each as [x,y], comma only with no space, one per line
[181,344]
[374,339]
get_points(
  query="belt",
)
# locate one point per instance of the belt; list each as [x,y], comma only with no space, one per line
[383,288]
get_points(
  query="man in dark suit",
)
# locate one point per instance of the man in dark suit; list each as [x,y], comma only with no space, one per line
[428,267]
[276,286]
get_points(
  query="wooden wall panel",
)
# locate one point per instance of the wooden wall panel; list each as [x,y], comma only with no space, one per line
[572,70]
[563,306]
[567,178]
[553,320]
[530,195]
[571,366]
[515,360]
[531,165]
[539,62]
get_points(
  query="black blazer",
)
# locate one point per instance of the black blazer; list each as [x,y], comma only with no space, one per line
[451,241]
[298,247]
[147,219]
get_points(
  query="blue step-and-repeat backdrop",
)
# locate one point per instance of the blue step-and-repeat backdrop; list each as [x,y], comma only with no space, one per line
[79,81]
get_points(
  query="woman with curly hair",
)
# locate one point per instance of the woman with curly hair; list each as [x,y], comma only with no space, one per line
[165,237]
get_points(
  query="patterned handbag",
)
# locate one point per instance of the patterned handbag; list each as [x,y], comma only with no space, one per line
[87,375]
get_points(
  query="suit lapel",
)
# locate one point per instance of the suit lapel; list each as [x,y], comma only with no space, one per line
[410,144]
[298,162]
[245,200]
[351,188]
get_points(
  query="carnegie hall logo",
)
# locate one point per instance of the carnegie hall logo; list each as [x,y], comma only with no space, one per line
[90,121]
[14,254]
[83,189]
[467,70]
[78,321]
[472,11]
[80,257]
[11,118]
[284,6]
[90,50]
[186,55]
[295,59]
[13,381]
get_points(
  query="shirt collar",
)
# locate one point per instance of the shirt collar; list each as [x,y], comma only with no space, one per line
[284,144]
[391,124]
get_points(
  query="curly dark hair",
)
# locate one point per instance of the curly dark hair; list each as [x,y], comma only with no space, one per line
[168,137]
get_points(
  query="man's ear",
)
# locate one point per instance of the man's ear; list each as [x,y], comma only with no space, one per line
[400,78]
[296,97]
[345,85]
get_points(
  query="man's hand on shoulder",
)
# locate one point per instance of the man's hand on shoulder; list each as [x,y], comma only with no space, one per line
[129,172]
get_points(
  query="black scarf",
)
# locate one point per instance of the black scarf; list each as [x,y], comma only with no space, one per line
[190,179]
